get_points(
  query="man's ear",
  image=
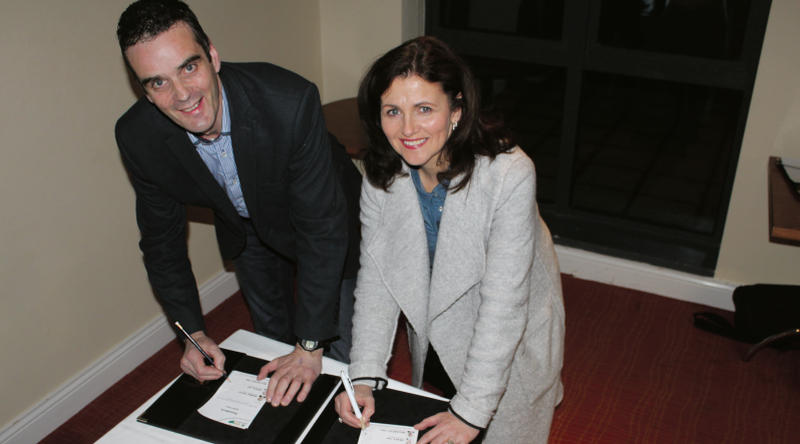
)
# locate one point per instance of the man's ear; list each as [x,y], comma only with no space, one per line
[212,51]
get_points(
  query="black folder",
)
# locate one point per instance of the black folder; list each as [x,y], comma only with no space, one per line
[176,410]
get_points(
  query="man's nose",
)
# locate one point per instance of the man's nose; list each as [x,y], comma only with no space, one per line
[181,91]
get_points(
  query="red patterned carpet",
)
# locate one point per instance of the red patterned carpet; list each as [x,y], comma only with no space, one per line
[635,371]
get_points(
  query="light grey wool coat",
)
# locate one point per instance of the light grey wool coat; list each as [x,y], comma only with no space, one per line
[491,307]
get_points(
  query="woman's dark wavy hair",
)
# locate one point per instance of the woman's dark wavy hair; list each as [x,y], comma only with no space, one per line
[432,60]
[145,19]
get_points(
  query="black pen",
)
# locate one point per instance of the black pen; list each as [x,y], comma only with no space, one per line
[206,358]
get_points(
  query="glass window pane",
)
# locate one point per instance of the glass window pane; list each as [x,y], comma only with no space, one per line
[654,151]
[530,18]
[703,28]
[531,100]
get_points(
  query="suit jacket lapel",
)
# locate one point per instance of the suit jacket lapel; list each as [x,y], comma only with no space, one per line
[185,152]
[243,138]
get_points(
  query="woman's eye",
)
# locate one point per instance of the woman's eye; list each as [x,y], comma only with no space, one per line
[392,112]
[425,109]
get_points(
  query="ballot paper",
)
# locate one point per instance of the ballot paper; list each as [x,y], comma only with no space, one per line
[237,401]
[378,433]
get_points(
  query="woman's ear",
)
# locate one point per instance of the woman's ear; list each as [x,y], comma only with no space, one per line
[455,115]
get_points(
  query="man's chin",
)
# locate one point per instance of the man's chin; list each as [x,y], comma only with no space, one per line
[197,130]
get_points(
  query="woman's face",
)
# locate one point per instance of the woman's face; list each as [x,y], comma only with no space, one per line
[417,120]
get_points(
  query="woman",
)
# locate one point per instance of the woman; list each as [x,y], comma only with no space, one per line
[452,238]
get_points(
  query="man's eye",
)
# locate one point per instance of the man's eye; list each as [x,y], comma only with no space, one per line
[425,109]
[157,83]
[191,67]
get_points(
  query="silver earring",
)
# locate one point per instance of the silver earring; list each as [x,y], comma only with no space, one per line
[455,125]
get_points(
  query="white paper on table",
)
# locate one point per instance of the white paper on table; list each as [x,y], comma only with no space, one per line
[792,168]
[378,433]
[237,401]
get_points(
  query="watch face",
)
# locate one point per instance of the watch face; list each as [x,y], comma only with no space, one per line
[309,345]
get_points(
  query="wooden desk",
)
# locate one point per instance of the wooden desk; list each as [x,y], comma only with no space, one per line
[784,206]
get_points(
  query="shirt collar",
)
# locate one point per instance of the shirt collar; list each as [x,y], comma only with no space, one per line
[440,190]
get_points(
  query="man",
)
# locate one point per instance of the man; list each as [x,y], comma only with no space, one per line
[249,142]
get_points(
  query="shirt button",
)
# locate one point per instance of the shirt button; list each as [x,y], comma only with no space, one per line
[440,209]
[224,153]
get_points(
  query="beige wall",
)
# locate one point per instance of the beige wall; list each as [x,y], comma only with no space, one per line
[354,34]
[773,129]
[73,284]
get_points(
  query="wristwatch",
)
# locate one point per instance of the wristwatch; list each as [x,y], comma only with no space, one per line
[308,344]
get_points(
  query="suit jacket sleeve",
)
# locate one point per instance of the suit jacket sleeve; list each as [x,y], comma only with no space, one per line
[319,218]
[162,223]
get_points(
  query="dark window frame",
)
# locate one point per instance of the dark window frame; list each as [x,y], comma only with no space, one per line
[579,51]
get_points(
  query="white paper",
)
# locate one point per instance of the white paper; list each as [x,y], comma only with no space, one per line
[237,401]
[792,168]
[378,433]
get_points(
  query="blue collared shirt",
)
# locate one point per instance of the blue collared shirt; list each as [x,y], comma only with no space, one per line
[432,205]
[218,156]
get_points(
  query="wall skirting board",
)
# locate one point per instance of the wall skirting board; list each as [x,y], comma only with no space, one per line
[644,277]
[72,396]
[67,400]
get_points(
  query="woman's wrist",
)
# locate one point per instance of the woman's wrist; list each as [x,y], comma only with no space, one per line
[460,418]
[374,383]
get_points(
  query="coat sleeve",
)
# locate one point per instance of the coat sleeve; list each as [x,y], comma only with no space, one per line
[376,312]
[318,214]
[504,295]
[162,224]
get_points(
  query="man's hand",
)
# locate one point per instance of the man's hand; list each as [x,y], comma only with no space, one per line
[192,361]
[298,369]
[446,429]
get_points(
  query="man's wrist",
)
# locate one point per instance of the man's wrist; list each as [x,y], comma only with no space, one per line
[309,345]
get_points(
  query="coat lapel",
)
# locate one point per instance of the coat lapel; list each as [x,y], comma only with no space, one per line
[403,252]
[460,251]
[458,263]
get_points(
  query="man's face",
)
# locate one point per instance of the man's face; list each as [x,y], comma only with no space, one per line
[179,79]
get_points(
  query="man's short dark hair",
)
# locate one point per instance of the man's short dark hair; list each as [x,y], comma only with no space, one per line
[145,19]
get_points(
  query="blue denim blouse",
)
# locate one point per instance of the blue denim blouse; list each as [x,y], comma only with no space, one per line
[431,204]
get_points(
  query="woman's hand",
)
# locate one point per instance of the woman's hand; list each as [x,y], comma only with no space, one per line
[447,429]
[364,399]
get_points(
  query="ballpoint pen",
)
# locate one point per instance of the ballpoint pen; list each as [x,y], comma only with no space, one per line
[348,387]
[206,358]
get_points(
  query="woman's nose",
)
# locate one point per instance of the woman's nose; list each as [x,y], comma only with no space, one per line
[409,126]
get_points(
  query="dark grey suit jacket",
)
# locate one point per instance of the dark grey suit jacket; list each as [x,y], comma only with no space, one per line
[288,181]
